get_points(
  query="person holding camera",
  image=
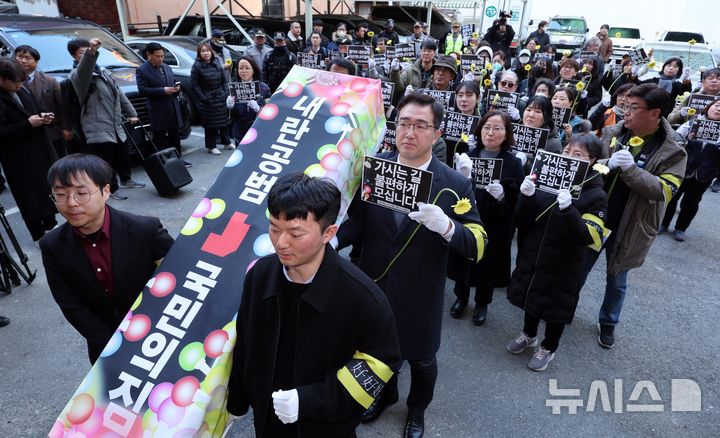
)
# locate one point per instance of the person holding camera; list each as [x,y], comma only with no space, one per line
[500,35]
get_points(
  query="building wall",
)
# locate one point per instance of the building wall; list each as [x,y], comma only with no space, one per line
[102,12]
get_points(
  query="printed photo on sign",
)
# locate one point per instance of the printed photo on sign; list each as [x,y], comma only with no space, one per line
[359,53]
[529,139]
[244,90]
[395,186]
[446,98]
[501,100]
[467,31]
[561,116]
[310,60]
[486,170]
[705,130]
[455,124]
[389,137]
[700,101]
[405,50]
[388,91]
[638,55]
[554,172]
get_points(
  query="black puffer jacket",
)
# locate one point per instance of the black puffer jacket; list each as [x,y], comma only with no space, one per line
[209,85]
[276,66]
[552,251]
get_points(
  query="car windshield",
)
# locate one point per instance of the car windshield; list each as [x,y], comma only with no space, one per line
[697,59]
[52,44]
[570,25]
[684,37]
[624,32]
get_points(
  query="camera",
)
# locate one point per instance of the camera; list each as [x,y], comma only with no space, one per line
[505,14]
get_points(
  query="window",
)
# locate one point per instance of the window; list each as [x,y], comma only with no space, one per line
[624,32]
[170,58]
[571,25]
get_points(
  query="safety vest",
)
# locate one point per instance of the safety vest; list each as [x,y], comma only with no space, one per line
[453,45]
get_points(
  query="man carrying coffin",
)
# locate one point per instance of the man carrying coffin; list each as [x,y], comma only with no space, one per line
[316,338]
[415,282]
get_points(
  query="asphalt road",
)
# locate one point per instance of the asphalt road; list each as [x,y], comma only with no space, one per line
[668,331]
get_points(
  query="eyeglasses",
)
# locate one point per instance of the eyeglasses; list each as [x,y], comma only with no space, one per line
[632,108]
[507,84]
[405,126]
[493,129]
[79,197]
[578,155]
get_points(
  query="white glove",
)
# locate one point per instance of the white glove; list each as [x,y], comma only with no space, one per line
[527,187]
[230,101]
[513,112]
[463,164]
[371,63]
[469,77]
[433,217]
[395,65]
[472,142]
[496,190]
[522,156]
[564,199]
[286,405]
[606,100]
[685,75]
[583,94]
[409,89]
[639,69]
[622,159]
[253,105]
[684,111]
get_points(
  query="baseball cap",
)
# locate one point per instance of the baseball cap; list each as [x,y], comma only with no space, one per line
[260,33]
[216,33]
[279,36]
[317,22]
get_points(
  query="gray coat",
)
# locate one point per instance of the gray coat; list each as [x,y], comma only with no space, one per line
[101,119]
[258,55]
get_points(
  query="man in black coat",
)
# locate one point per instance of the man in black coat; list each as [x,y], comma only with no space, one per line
[277,64]
[155,80]
[99,261]
[26,152]
[316,339]
[415,282]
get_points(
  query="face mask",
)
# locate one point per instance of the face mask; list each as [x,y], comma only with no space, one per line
[341,33]
[497,66]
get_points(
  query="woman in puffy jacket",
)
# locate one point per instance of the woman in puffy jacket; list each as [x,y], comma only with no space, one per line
[210,87]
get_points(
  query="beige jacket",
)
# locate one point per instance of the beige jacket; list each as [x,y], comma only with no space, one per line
[651,190]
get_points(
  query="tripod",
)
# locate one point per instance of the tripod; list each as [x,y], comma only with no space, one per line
[10,270]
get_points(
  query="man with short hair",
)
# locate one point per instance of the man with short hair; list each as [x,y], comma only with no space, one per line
[156,81]
[499,36]
[540,36]
[278,63]
[103,104]
[100,259]
[318,27]
[360,34]
[606,45]
[343,65]
[300,361]
[259,50]
[295,42]
[46,91]
[418,35]
[418,75]
[642,180]
[389,33]
[409,262]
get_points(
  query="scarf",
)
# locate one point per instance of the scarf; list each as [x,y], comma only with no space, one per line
[618,111]
[665,82]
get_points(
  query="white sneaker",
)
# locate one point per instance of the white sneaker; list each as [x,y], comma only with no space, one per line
[214,151]
[230,147]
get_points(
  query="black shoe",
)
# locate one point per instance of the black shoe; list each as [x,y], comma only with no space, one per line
[607,335]
[458,308]
[376,409]
[4,321]
[415,423]
[480,314]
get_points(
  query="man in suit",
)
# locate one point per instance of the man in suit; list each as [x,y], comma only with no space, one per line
[99,261]
[46,91]
[26,153]
[414,281]
[155,80]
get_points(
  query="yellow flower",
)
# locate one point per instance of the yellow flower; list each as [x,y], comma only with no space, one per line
[584,69]
[377,49]
[566,53]
[601,168]
[228,61]
[636,141]
[488,66]
[528,67]
[475,35]
[692,111]
[457,62]
[372,34]
[496,99]
[464,137]
[613,143]
[487,82]
[692,42]
[651,64]
[388,43]
[618,34]
[462,206]
[406,59]
[472,67]
[580,86]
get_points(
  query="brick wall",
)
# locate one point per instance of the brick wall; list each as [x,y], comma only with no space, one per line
[102,12]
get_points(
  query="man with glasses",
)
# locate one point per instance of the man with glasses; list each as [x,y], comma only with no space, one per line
[412,270]
[99,260]
[645,174]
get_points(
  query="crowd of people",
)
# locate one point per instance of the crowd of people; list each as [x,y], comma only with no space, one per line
[635,134]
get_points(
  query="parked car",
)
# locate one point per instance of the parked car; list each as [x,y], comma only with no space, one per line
[50,37]
[567,33]
[699,56]
[624,39]
[681,36]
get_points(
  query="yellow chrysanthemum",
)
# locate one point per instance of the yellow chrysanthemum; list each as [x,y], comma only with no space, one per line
[580,86]
[601,168]
[528,67]
[692,111]
[475,35]
[613,143]
[496,99]
[487,82]
[462,206]
[472,66]
[406,59]
[228,61]
[636,141]
[388,43]
[566,53]
[651,64]
[488,66]
[371,34]
[618,34]
[464,137]
[692,42]
[377,49]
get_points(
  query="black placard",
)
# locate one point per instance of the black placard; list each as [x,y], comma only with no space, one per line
[310,60]
[456,124]
[388,90]
[244,90]
[395,186]
[561,116]
[529,139]
[446,98]
[554,172]
[467,31]
[501,100]
[468,60]
[389,137]
[390,52]
[405,50]
[335,54]
[638,55]
[486,170]
[359,53]
[700,101]
[705,130]
[587,55]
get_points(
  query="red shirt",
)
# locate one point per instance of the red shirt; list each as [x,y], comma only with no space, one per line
[99,253]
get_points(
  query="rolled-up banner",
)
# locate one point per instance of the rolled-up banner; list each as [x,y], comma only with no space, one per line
[165,371]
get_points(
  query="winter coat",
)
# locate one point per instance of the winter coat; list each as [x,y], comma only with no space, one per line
[552,251]
[276,66]
[209,85]
[295,45]
[542,39]
[101,118]
[344,322]
[163,109]
[243,117]
[46,91]
[675,118]
[651,188]
[494,269]
[258,54]
[703,162]
[678,87]
[500,41]
[412,76]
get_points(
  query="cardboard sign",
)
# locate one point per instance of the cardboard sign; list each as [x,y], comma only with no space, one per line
[405,50]
[587,55]
[393,185]
[467,31]
[388,91]
[359,53]
[554,172]
[467,61]
[528,139]
[446,98]
[705,130]
[311,60]
[486,170]
[638,55]
[501,100]
[700,101]
[389,137]
[244,90]
[379,58]
[390,52]
[335,54]
[561,116]
[455,124]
